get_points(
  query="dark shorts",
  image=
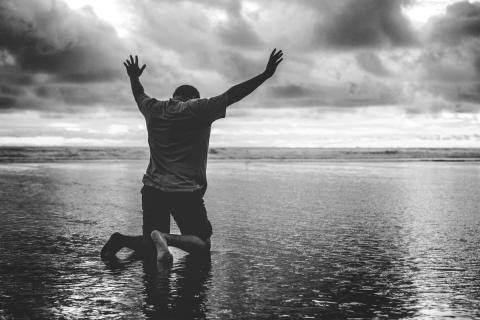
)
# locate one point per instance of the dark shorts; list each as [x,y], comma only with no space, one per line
[187,208]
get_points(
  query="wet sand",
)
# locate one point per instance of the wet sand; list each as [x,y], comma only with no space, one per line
[291,240]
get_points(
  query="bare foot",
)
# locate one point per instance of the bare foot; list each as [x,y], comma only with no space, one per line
[112,246]
[161,247]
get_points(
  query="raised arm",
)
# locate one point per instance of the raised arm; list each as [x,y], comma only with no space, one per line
[240,91]
[134,72]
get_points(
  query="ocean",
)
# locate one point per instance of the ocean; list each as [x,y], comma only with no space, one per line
[298,234]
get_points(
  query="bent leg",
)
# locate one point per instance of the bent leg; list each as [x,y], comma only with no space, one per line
[113,245]
[119,241]
[155,216]
[138,243]
[189,243]
[190,214]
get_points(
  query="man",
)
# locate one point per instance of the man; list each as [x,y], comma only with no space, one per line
[175,181]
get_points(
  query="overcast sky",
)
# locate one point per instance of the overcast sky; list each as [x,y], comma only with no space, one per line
[366,73]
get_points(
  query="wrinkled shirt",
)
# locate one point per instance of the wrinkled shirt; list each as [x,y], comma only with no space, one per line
[178,137]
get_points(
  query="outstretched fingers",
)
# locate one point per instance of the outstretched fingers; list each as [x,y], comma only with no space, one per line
[131,64]
[277,56]
[273,52]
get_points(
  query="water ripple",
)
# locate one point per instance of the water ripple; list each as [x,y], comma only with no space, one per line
[291,241]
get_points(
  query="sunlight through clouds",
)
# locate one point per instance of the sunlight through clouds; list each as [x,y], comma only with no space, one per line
[110,11]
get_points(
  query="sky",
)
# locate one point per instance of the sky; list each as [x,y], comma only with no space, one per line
[356,73]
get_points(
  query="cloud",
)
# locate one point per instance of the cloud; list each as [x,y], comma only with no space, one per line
[49,37]
[65,57]
[289,91]
[7,102]
[15,76]
[73,95]
[236,30]
[237,66]
[353,24]
[11,90]
[57,58]
[239,33]
[343,58]
[461,21]
[66,95]
[448,67]
[209,36]
[371,63]
[46,43]
[368,93]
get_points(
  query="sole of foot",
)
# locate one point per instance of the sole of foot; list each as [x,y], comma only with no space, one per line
[164,256]
[112,246]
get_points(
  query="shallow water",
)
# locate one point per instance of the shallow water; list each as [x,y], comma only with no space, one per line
[291,240]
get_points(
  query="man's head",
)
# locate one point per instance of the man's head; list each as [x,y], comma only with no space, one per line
[186,92]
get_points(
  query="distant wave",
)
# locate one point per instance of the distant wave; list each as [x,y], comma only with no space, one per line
[58,154]
[55,154]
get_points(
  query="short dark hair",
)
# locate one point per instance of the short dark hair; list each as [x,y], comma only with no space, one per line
[186,92]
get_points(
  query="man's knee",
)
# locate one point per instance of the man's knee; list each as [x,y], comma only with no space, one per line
[205,246]
[199,246]
[208,243]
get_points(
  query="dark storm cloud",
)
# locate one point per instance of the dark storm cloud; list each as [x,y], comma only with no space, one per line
[449,65]
[289,91]
[461,21]
[442,63]
[367,93]
[108,94]
[236,31]
[15,76]
[7,102]
[193,28]
[233,65]
[201,41]
[239,33]
[355,24]
[371,63]
[11,90]
[67,57]
[71,95]
[471,96]
[46,43]
[48,37]
[237,66]
[468,93]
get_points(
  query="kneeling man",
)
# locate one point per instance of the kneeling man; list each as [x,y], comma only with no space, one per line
[175,181]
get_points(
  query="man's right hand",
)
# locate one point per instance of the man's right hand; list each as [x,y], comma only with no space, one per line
[273,62]
[132,67]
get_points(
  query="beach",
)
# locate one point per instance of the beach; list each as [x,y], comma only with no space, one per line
[333,239]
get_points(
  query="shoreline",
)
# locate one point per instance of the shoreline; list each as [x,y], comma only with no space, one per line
[260,154]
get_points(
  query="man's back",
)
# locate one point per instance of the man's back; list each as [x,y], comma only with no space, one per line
[178,136]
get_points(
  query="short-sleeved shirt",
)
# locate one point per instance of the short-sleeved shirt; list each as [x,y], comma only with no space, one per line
[178,136]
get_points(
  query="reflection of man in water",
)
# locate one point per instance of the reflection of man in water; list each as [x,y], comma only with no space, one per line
[175,181]
[179,293]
